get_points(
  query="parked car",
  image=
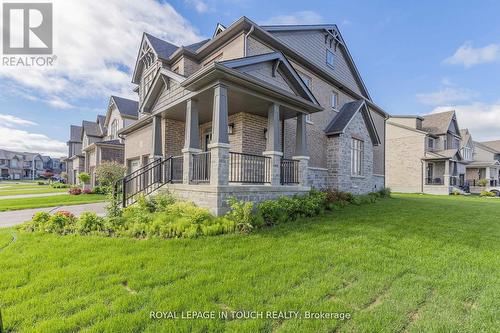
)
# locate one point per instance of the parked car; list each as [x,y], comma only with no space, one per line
[4,177]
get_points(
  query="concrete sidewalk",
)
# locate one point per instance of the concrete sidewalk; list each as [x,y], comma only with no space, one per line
[15,217]
[34,195]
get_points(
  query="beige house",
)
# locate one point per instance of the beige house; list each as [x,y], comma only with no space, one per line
[75,163]
[100,140]
[425,154]
[483,173]
[255,112]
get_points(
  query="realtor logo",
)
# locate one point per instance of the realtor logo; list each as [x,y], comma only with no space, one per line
[27,28]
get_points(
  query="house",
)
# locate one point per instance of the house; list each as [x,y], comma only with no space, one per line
[100,140]
[425,154]
[255,112]
[483,173]
[75,163]
[20,165]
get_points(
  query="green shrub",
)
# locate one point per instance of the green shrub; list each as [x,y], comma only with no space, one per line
[483,182]
[59,185]
[108,173]
[89,222]
[100,189]
[385,192]
[37,222]
[84,177]
[244,215]
[41,183]
[487,194]
[60,223]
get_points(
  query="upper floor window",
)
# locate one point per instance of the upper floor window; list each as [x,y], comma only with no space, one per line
[357,151]
[335,100]
[114,129]
[330,58]
[307,79]
[430,143]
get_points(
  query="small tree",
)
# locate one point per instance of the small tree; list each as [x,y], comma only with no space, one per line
[483,182]
[84,178]
[108,173]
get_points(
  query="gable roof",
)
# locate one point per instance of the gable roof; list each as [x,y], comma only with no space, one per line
[161,78]
[162,48]
[75,133]
[444,154]
[284,66]
[195,46]
[494,145]
[127,107]
[91,128]
[466,136]
[438,123]
[340,122]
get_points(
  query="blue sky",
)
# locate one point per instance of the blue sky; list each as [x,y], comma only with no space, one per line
[415,57]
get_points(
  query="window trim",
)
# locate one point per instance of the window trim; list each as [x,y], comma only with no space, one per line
[357,157]
[328,52]
[336,106]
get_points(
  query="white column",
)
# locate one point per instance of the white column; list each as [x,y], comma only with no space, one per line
[446,175]
[273,143]
[191,140]
[219,147]
[301,149]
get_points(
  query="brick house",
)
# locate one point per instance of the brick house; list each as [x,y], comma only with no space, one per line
[100,140]
[255,112]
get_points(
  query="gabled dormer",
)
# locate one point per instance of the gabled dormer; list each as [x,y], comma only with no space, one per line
[121,113]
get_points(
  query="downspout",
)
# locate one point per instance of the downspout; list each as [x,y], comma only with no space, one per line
[245,43]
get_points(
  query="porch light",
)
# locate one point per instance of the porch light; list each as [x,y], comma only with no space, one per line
[230,128]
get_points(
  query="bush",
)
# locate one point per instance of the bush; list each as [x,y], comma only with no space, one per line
[87,191]
[487,194]
[37,222]
[75,191]
[101,189]
[385,192]
[41,183]
[108,173]
[59,185]
[61,223]
[84,177]
[89,222]
[483,182]
[244,216]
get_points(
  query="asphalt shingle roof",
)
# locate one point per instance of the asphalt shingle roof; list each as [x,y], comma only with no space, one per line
[75,133]
[162,48]
[127,107]
[437,123]
[91,128]
[196,46]
[495,144]
[342,119]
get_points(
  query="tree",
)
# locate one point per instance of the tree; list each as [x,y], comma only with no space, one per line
[108,173]
[84,178]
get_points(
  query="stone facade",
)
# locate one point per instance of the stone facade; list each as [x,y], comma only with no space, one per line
[317,178]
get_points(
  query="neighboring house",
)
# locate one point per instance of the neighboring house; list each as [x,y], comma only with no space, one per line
[75,163]
[255,112]
[100,140]
[21,165]
[485,169]
[425,154]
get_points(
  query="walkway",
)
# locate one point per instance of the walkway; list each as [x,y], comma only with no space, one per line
[15,217]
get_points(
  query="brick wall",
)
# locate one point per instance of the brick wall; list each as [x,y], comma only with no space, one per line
[109,154]
[173,133]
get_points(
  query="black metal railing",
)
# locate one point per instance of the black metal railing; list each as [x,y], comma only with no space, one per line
[249,168]
[201,167]
[289,171]
[149,178]
[434,181]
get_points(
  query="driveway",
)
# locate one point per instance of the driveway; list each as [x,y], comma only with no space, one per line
[15,217]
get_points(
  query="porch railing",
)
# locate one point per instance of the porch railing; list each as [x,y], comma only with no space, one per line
[289,171]
[249,168]
[434,181]
[201,167]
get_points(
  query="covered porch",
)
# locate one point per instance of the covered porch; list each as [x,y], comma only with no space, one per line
[441,175]
[483,176]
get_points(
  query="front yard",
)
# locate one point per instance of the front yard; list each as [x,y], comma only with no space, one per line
[8,188]
[409,264]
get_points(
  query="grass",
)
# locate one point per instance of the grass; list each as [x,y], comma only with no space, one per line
[49,201]
[16,188]
[409,264]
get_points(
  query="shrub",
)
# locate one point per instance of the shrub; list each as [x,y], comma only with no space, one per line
[41,183]
[487,194]
[37,222]
[385,192]
[59,185]
[84,177]
[101,189]
[87,191]
[75,191]
[483,182]
[89,222]
[244,216]
[334,196]
[61,223]
[108,173]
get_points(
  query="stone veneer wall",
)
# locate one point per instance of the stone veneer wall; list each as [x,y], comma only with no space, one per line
[339,159]
[317,178]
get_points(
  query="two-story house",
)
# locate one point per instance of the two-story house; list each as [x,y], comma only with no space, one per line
[484,170]
[424,154]
[255,112]
[100,140]
[20,165]
[75,162]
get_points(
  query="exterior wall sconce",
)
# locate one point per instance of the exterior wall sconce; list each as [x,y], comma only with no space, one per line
[230,128]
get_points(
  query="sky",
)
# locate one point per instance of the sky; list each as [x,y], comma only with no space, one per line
[415,57]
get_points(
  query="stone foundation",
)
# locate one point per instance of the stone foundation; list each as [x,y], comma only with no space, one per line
[317,178]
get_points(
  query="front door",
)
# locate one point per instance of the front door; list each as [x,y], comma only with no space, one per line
[430,173]
[206,140]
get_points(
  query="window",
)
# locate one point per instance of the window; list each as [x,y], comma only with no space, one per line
[308,119]
[335,98]
[114,129]
[356,157]
[430,143]
[306,79]
[330,58]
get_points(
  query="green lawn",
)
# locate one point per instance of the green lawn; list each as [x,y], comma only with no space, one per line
[15,188]
[57,200]
[409,264]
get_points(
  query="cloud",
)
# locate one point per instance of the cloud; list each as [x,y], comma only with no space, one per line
[469,56]
[446,95]
[301,17]
[96,44]
[483,120]
[24,141]
[199,5]
[8,120]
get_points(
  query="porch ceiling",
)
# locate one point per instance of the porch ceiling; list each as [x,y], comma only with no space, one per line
[238,101]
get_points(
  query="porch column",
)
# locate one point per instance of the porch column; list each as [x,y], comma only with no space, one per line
[191,140]
[446,175]
[157,138]
[219,147]
[301,149]
[273,143]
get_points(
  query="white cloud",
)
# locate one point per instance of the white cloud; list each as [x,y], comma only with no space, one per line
[301,17]
[8,120]
[469,56]
[446,95]
[483,120]
[199,5]
[96,44]
[24,141]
